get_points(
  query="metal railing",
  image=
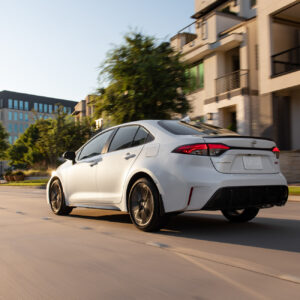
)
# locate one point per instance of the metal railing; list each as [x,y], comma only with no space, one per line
[188,34]
[232,81]
[286,61]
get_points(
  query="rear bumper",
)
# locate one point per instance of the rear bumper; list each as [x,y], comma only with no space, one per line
[239,197]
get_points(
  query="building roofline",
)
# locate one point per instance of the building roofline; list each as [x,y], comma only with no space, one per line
[33,95]
[208,9]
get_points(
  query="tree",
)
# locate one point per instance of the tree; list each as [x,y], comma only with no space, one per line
[3,142]
[46,140]
[146,80]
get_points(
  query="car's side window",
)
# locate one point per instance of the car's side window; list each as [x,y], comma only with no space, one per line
[141,137]
[123,138]
[95,146]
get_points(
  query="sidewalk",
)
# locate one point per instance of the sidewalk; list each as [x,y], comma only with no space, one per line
[294,198]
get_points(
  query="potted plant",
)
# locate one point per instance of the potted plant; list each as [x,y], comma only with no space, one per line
[18,176]
[8,175]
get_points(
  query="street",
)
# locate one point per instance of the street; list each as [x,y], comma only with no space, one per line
[98,254]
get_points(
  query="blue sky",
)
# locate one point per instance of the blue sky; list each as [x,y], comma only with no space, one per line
[54,47]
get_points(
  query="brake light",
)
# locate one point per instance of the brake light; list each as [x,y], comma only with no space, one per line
[217,149]
[202,149]
[276,151]
[196,149]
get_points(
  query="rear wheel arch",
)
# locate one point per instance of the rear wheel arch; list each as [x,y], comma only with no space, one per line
[133,179]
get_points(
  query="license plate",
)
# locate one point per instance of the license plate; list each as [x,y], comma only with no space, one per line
[252,162]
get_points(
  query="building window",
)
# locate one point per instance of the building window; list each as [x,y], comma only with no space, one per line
[16,127]
[40,107]
[10,116]
[56,108]
[21,128]
[35,106]
[15,104]
[69,110]
[50,108]
[195,77]
[15,138]
[10,139]
[204,30]
[45,108]
[26,116]
[65,110]
[21,105]
[10,127]
[26,105]
[10,103]
[41,116]
[16,116]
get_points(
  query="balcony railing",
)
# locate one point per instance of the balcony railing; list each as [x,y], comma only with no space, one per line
[188,34]
[232,81]
[286,61]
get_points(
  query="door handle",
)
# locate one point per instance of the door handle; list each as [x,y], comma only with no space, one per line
[94,163]
[128,156]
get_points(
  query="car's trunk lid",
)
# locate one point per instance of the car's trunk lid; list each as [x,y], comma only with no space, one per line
[247,155]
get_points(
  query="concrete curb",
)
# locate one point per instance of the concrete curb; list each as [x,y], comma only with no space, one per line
[41,187]
[294,198]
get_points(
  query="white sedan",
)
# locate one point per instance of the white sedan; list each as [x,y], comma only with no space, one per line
[152,169]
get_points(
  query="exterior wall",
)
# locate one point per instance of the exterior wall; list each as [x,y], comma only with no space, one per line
[290,165]
[241,105]
[266,39]
[196,103]
[262,116]
[295,120]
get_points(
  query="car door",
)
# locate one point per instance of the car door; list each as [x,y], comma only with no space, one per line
[124,149]
[82,185]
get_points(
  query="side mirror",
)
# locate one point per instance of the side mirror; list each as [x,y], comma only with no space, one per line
[70,155]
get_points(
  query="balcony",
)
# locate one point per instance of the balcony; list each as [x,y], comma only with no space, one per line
[231,81]
[184,36]
[286,61]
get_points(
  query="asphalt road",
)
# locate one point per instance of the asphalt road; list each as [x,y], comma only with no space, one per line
[97,254]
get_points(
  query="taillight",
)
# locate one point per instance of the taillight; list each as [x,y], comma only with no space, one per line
[202,149]
[217,149]
[276,151]
[196,149]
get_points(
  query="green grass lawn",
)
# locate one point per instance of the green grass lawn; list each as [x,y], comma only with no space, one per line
[294,190]
[35,182]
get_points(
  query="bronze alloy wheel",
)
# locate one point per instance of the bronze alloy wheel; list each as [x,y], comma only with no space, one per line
[144,206]
[57,201]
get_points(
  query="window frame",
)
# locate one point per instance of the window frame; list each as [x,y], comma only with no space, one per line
[149,138]
[199,80]
[78,152]
[117,129]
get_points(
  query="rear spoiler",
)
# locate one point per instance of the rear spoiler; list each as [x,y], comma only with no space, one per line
[236,137]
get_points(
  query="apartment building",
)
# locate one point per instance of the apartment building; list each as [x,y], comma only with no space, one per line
[279,71]
[220,47]
[84,108]
[244,66]
[19,110]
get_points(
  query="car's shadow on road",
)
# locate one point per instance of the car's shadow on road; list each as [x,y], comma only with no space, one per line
[277,234]
[263,232]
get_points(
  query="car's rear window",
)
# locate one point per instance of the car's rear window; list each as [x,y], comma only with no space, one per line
[193,128]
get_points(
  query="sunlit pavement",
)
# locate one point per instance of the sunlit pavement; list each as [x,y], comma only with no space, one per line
[97,254]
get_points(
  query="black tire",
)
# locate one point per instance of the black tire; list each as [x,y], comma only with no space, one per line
[242,215]
[144,206]
[57,199]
